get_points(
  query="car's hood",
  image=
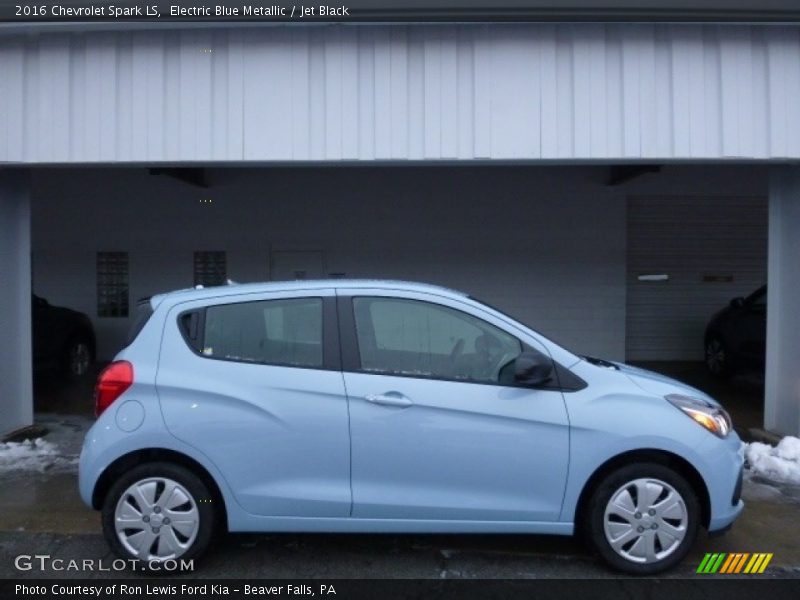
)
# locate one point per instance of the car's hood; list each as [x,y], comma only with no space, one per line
[661,385]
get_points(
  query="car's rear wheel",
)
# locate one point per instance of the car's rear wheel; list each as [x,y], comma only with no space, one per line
[158,512]
[643,518]
[718,359]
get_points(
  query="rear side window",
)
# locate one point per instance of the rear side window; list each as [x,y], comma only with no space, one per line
[279,332]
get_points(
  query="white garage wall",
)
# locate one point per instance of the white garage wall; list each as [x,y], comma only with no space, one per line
[689,238]
[500,91]
[15,314]
[544,244]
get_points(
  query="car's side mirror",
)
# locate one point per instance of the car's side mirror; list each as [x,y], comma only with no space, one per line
[533,368]
[737,302]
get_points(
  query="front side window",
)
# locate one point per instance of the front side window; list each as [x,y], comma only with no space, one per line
[413,338]
[281,332]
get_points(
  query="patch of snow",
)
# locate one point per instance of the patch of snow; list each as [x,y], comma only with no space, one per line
[31,455]
[779,463]
[789,448]
[56,452]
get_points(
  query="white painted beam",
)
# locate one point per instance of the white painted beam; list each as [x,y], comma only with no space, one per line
[402,92]
[16,385]
[782,385]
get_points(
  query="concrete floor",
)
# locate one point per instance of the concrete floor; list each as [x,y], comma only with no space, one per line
[43,513]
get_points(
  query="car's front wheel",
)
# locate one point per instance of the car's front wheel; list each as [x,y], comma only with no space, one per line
[158,512]
[643,518]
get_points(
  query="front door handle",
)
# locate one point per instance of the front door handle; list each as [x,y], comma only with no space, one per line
[389,399]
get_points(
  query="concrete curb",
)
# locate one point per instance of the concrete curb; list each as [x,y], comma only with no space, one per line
[762,435]
[30,432]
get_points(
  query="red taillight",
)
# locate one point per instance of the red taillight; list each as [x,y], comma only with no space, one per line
[112,382]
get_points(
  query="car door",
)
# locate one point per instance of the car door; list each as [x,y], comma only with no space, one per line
[255,384]
[434,433]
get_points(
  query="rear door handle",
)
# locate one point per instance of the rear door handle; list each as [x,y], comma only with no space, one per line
[389,399]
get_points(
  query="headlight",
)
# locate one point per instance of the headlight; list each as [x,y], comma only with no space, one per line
[713,418]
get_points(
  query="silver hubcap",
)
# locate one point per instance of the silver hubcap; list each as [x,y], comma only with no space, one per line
[79,359]
[645,520]
[156,519]
[715,356]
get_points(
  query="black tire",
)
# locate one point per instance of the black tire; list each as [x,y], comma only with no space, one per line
[77,358]
[199,496]
[718,358]
[594,519]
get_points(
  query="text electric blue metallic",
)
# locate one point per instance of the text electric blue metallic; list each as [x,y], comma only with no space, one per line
[376,406]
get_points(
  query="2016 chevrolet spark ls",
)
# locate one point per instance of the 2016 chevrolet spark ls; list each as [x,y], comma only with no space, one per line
[358,406]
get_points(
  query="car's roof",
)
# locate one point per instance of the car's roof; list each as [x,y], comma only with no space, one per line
[234,289]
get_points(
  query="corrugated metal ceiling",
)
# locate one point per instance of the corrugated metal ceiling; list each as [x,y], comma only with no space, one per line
[453,92]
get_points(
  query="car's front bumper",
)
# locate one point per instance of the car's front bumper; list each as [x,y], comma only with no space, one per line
[724,462]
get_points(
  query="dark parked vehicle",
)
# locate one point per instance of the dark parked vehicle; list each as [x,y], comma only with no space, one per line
[736,336]
[63,340]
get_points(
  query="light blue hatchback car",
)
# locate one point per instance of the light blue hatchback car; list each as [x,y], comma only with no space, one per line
[378,406]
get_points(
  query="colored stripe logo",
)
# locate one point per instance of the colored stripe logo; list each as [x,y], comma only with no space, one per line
[735,562]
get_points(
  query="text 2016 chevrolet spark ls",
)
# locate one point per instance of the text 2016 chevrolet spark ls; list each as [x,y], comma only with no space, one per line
[372,406]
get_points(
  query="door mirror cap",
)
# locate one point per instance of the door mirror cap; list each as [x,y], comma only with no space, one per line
[737,302]
[533,368]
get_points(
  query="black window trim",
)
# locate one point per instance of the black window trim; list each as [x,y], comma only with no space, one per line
[565,380]
[194,345]
[331,356]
